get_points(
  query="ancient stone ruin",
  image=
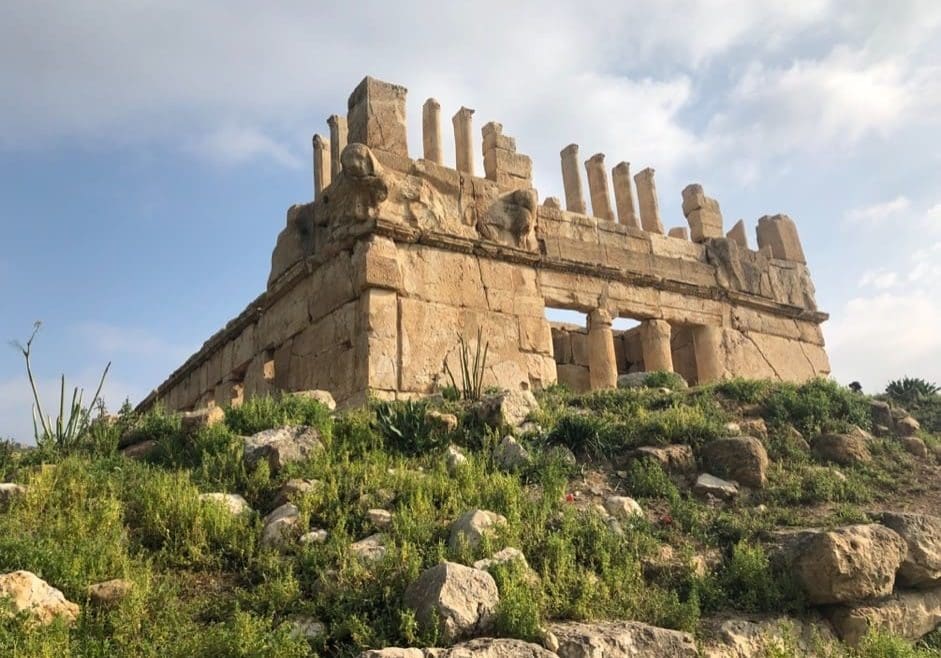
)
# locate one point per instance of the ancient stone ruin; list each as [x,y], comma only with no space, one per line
[373,282]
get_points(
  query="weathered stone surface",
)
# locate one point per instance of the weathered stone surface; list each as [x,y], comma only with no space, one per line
[9,491]
[743,459]
[844,449]
[393,652]
[442,421]
[779,234]
[710,485]
[881,413]
[281,526]
[371,549]
[380,519]
[675,459]
[455,458]
[376,116]
[471,527]
[191,421]
[27,591]
[908,614]
[323,397]
[232,503]
[293,490]
[495,648]
[762,638]
[914,446]
[281,446]
[140,450]
[922,534]
[510,455]
[508,408]
[848,564]
[623,508]
[460,600]
[110,593]
[505,556]
[621,639]
[907,426]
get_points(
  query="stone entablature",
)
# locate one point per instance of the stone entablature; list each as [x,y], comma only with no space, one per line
[372,283]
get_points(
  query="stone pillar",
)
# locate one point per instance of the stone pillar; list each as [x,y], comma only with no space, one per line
[624,195]
[602,361]
[779,234]
[321,165]
[572,180]
[738,235]
[376,116]
[655,343]
[338,135]
[647,201]
[702,213]
[598,187]
[431,131]
[707,349]
[464,140]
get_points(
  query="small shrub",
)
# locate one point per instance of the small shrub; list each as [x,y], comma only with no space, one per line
[750,583]
[817,406]
[405,428]
[267,412]
[519,611]
[911,390]
[647,479]
[665,379]
[745,391]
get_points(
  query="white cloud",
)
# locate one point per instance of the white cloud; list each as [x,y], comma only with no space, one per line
[816,105]
[878,213]
[880,279]
[233,145]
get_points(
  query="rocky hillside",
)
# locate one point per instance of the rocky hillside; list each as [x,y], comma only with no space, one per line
[742,519]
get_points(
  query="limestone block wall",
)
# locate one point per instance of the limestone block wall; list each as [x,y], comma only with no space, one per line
[373,282]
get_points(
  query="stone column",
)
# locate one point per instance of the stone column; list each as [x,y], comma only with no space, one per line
[655,343]
[431,130]
[321,165]
[464,140]
[624,194]
[602,362]
[707,348]
[598,187]
[572,180]
[338,135]
[647,201]
[376,116]
[738,235]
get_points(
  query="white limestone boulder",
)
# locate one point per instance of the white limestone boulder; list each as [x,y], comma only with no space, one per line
[623,508]
[281,526]
[109,593]
[471,527]
[710,485]
[846,564]
[281,446]
[508,408]
[459,600]
[922,535]
[741,458]
[621,639]
[509,455]
[44,603]
[910,614]
[233,503]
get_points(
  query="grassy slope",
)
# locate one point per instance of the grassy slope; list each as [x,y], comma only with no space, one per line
[204,586]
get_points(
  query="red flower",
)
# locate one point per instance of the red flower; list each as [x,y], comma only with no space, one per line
[570,498]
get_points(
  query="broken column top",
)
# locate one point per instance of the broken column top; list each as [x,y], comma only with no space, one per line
[376,116]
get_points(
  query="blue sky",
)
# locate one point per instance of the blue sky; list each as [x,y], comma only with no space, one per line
[148,151]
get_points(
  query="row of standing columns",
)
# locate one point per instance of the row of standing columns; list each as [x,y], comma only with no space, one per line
[648,217]
[327,153]
[655,339]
